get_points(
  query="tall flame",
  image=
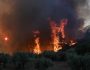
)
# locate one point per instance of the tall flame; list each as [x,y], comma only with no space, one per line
[55,33]
[37,49]
[63,23]
[55,36]
[56,43]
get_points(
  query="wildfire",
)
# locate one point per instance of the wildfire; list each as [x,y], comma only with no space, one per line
[56,44]
[72,43]
[58,37]
[37,49]
[56,30]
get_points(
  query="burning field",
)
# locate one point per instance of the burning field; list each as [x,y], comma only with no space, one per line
[37,26]
[38,34]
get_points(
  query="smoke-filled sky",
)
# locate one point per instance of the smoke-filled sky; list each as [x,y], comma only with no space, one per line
[84,12]
[21,17]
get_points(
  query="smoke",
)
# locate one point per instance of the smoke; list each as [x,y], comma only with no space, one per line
[84,12]
[22,17]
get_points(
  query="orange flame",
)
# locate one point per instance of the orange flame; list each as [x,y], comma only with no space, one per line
[63,23]
[37,49]
[72,43]
[55,33]
[56,44]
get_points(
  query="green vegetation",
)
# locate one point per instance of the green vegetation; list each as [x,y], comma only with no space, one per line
[79,57]
[24,61]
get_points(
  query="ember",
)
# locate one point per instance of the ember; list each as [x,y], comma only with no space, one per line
[72,43]
[37,47]
[6,38]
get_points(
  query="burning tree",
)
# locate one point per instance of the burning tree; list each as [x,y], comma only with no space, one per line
[55,33]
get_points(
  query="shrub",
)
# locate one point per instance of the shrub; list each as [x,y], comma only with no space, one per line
[49,54]
[19,60]
[61,56]
[55,56]
[30,65]
[83,47]
[86,61]
[4,59]
[43,64]
[73,60]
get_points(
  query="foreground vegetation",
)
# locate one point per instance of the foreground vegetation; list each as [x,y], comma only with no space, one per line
[79,57]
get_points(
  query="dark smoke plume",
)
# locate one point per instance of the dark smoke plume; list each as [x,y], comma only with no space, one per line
[22,17]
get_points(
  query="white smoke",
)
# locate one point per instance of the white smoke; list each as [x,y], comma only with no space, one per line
[84,12]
